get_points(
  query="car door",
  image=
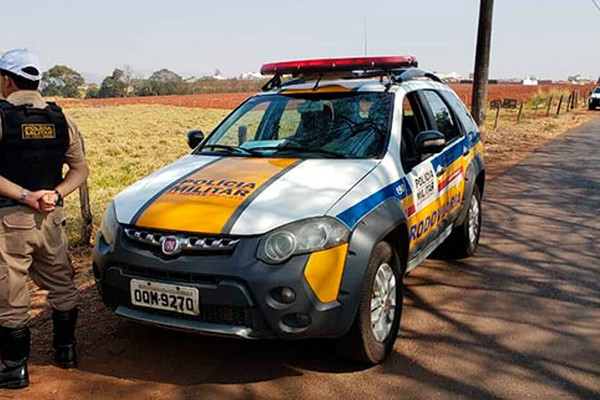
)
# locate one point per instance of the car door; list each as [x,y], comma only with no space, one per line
[449,165]
[422,202]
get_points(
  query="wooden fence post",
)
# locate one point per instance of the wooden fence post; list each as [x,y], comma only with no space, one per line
[498,106]
[87,218]
[569,103]
[549,106]
[520,112]
[535,111]
[560,104]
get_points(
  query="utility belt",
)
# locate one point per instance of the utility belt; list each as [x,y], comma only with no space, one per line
[5,202]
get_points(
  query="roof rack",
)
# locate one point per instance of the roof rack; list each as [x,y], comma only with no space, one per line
[393,76]
[398,75]
[415,73]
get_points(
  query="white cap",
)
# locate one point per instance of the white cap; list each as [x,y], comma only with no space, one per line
[16,61]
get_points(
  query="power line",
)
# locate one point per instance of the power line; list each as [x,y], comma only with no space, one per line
[596,4]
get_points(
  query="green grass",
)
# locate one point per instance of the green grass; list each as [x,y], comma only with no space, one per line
[126,143]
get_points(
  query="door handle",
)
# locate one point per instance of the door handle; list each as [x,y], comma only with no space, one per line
[440,170]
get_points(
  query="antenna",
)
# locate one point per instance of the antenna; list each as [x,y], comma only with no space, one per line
[365,32]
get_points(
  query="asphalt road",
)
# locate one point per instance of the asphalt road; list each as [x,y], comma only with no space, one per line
[520,320]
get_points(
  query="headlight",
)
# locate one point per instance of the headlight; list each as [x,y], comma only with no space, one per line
[109,224]
[306,236]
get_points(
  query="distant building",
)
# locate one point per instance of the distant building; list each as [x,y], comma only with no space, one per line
[579,80]
[531,81]
[450,77]
[251,76]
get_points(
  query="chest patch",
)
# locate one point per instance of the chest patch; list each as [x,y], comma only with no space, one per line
[38,131]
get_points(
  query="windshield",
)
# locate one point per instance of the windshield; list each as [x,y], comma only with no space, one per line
[315,125]
[597,90]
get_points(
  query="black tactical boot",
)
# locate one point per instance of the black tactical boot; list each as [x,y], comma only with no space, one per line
[14,349]
[63,345]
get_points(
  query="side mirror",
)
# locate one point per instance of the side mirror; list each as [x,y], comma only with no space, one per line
[194,138]
[430,142]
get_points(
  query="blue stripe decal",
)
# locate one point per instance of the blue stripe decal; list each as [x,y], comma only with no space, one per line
[399,189]
[454,153]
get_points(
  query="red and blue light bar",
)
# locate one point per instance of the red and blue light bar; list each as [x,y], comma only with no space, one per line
[339,64]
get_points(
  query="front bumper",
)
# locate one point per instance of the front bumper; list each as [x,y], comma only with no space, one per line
[594,102]
[236,291]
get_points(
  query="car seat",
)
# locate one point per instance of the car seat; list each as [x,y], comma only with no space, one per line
[314,128]
[408,151]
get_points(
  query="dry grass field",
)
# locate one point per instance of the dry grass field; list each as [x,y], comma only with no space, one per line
[126,143]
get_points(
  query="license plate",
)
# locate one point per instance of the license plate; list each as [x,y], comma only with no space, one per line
[162,296]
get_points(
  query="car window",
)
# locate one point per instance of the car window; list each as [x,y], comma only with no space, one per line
[461,112]
[442,116]
[245,128]
[411,126]
[290,120]
[345,125]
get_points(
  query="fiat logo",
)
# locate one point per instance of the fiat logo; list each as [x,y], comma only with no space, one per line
[170,245]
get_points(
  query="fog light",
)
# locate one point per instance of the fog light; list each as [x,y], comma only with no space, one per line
[296,321]
[283,295]
[287,295]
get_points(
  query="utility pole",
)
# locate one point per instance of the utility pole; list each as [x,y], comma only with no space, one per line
[482,62]
[365,35]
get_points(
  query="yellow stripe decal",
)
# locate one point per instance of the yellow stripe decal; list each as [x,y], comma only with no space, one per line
[204,201]
[424,221]
[324,271]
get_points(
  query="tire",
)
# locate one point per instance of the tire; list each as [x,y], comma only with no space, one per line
[464,239]
[366,343]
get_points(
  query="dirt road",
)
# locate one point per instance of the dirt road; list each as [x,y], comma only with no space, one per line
[521,320]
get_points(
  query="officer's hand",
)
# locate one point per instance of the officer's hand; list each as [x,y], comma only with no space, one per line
[47,202]
[33,199]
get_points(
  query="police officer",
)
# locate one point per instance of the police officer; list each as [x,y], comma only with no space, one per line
[36,140]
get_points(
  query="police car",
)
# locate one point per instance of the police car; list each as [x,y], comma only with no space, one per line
[299,215]
[594,100]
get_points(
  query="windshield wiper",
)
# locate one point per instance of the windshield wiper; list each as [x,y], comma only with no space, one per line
[232,149]
[303,149]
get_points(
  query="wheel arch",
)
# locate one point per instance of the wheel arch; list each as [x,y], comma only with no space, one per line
[387,222]
[475,177]
[480,181]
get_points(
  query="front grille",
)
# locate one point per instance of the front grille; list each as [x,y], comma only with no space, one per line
[160,274]
[247,317]
[187,241]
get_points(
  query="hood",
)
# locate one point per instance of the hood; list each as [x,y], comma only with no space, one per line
[237,195]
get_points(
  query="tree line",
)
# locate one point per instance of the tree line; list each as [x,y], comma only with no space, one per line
[63,81]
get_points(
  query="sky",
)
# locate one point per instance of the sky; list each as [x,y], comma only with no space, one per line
[544,38]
